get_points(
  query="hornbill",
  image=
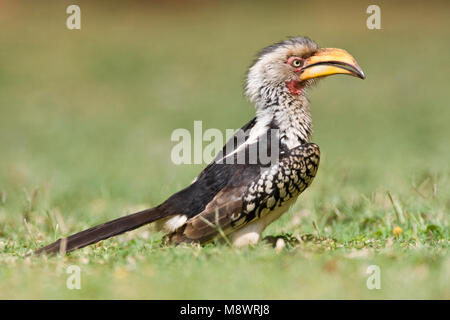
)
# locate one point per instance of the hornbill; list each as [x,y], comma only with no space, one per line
[238,200]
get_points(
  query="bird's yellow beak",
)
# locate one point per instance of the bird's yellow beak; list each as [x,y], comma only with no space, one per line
[328,61]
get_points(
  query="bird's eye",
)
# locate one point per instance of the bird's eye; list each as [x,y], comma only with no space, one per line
[296,63]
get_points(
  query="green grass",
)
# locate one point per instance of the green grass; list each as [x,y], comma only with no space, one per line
[85,124]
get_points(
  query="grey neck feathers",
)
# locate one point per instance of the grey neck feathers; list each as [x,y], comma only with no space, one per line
[279,109]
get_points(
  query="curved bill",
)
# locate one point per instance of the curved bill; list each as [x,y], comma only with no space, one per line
[329,61]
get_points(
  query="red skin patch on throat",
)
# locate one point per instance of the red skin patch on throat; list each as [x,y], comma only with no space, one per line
[294,87]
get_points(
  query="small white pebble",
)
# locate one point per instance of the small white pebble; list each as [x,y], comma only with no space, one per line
[279,245]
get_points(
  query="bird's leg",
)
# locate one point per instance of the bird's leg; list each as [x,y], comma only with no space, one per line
[251,234]
[248,235]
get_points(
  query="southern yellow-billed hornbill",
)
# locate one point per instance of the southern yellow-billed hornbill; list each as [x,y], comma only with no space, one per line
[239,199]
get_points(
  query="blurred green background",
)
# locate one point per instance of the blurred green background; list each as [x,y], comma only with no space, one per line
[86,118]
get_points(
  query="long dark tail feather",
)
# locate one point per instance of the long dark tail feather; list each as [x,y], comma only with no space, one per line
[103,231]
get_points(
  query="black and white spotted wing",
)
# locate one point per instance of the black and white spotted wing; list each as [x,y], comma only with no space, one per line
[251,193]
